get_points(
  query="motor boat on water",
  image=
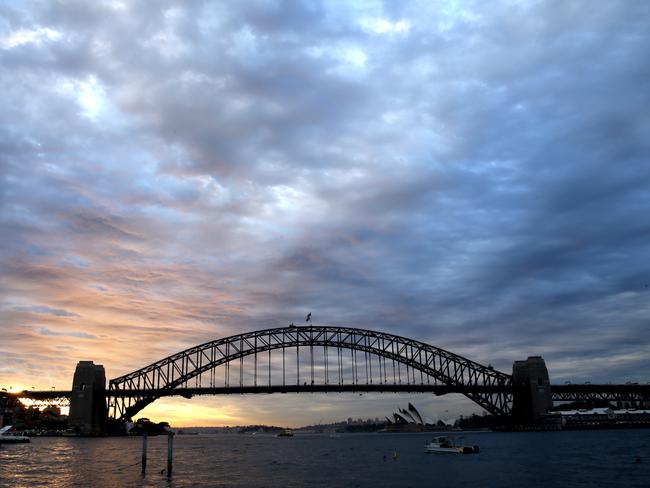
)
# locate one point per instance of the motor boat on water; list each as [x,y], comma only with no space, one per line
[445,445]
[285,433]
[9,438]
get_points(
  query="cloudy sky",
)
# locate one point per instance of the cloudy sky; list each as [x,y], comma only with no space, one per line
[475,175]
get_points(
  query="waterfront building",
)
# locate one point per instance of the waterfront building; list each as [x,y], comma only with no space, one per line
[594,418]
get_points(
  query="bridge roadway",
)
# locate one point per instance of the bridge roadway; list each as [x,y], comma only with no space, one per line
[561,393]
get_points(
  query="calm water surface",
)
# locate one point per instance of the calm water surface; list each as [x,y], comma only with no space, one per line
[563,459]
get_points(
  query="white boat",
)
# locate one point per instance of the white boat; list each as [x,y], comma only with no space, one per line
[445,445]
[7,438]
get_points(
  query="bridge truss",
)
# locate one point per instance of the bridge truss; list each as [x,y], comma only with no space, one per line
[312,358]
[607,392]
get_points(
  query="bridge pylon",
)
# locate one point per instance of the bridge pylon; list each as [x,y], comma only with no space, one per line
[88,411]
[532,395]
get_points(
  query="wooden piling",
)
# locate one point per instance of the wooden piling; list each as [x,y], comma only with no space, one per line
[144,453]
[170,453]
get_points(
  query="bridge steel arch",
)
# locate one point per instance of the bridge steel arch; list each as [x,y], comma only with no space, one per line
[489,388]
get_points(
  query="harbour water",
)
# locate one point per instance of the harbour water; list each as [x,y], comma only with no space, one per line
[541,459]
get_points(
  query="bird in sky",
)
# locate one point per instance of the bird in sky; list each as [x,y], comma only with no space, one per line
[308,317]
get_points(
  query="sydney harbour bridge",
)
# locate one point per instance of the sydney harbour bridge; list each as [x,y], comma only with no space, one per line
[313,359]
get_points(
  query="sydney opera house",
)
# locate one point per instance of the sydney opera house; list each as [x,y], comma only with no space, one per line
[408,420]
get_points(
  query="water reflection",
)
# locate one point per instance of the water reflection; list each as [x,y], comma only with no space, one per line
[506,460]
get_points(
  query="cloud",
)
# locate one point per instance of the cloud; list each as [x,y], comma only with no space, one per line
[81,335]
[470,176]
[47,310]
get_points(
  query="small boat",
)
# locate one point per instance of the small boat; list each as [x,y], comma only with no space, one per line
[11,439]
[445,445]
[286,433]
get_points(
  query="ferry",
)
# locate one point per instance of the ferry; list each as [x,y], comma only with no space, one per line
[8,438]
[445,445]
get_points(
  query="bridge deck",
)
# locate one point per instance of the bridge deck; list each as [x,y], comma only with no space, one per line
[576,392]
[239,390]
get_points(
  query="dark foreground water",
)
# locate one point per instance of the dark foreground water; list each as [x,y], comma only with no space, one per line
[563,459]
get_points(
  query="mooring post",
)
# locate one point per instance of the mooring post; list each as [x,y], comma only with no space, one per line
[144,452]
[170,453]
